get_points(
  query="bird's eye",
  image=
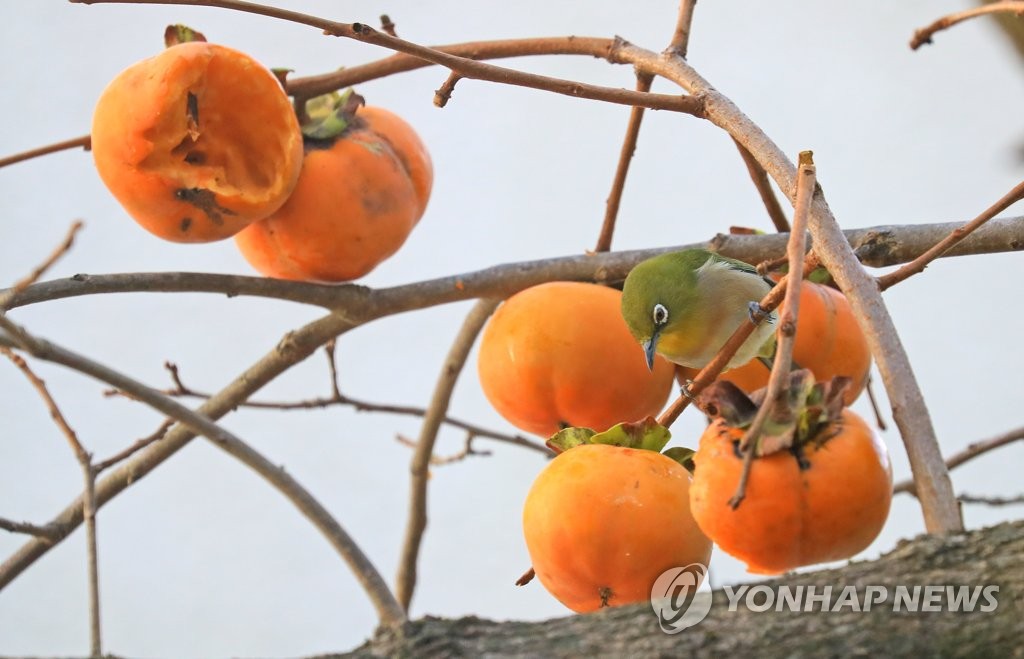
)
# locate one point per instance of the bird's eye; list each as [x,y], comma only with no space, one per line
[660,315]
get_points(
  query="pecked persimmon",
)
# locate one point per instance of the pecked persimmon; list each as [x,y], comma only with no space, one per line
[364,186]
[603,521]
[820,493]
[560,354]
[829,342]
[197,142]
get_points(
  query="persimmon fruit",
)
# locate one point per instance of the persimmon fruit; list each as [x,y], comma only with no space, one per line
[823,498]
[602,522]
[365,183]
[560,354]
[829,342]
[197,142]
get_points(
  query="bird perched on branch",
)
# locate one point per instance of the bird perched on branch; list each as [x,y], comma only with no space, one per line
[685,305]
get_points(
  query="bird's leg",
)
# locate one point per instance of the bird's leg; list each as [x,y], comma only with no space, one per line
[685,390]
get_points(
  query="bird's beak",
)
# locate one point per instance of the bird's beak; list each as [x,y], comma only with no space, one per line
[650,346]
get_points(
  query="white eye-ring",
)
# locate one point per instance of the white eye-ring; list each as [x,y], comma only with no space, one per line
[660,315]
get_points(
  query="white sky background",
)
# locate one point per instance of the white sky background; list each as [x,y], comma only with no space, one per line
[201,558]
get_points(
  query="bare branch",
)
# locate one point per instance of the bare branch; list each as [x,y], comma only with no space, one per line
[417,523]
[924,35]
[84,459]
[41,269]
[876,246]
[636,116]
[681,36]
[972,451]
[375,587]
[764,188]
[955,236]
[46,532]
[786,332]
[992,501]
[137,446]
[444,93]
[84,142]
[467,68]
[468,450]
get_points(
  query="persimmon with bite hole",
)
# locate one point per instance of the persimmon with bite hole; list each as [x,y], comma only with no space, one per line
[829,342]
[603,521]
[560,354]
[820,494]
[364,186]
[197,142]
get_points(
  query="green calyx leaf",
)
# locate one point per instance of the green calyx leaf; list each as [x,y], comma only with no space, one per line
[647,435]
[176,34]
[683,456]
[331,115]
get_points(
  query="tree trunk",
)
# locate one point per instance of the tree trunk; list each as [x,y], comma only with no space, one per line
[986,557]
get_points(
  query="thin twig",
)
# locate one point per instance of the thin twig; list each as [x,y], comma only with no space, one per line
[137,446]
[680,42]
[972,451]
[84,459]
[84,142]
[387,25]
[467,68]
[992,501]
[374,586]
[924,35]
[48,532]
[875,407]
[444,93]
[764,189]
[417,522]
[338,398]
[467,450]
[611,208]
[955,236]
[786,332]
[41,269]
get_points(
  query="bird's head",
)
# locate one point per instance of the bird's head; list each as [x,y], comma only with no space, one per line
[659,295]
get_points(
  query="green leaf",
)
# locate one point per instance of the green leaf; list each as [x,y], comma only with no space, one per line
[567,438]
[648,435]
[683,456]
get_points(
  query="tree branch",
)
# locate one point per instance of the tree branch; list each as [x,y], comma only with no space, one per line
[84,142]
[972,451]
[876,246]
[925,34]
[375,587]
[417,523]
[764,189]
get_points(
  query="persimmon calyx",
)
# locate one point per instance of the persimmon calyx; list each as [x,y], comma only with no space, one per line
[331,115]
[646,435]
[804,412]
[178,33]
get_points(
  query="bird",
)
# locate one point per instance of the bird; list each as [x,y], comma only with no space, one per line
[685,305]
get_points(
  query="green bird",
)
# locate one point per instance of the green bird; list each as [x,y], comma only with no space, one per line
[685,305]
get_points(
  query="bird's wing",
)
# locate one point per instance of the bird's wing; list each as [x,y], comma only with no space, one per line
[742,266]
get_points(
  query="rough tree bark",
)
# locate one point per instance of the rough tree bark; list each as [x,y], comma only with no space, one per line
[992,556]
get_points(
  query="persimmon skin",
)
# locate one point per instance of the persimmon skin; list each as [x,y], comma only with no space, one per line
[602,522]
[829,342]
[791,517]
[356,202]
[197,142]
[560,354]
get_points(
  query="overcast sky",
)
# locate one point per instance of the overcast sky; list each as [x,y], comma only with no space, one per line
[201,558]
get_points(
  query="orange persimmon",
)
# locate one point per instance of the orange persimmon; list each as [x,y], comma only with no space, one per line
[364,185]
[197,142]
[829,342]
[602,522]
[560,354]
[823,497]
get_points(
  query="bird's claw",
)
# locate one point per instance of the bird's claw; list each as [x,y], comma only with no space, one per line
[685,390]
[756,312]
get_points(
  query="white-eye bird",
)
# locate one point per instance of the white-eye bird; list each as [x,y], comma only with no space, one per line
[685,305]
